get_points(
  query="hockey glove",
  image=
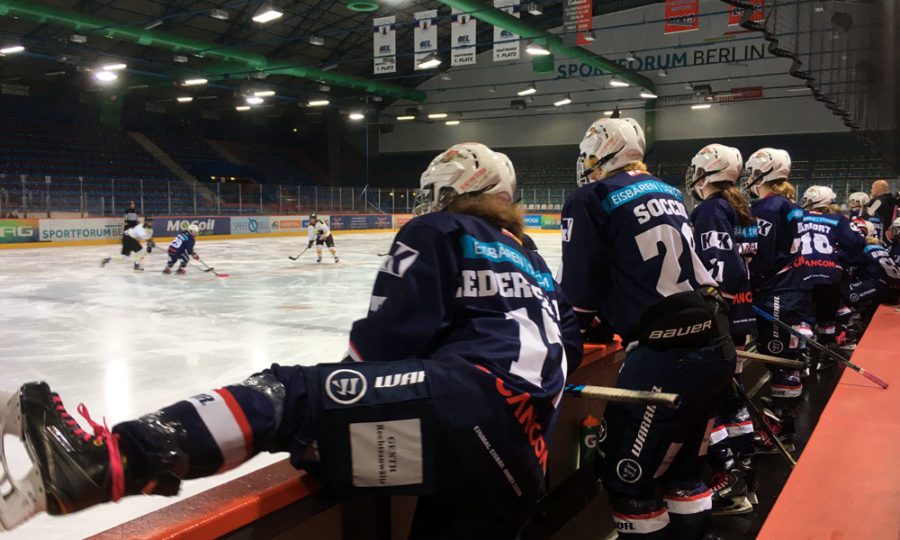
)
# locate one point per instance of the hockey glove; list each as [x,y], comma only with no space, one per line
[595,330]
[309,245]
[195,256]
[150,245]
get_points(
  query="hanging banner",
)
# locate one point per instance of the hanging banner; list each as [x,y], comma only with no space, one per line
[506,44]
[681,16]
[385,45]
[735,13]
[425,35]
[462,39]
[577,19]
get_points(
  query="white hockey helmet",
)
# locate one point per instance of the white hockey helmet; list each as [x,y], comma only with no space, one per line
[609,144]
[766,165]
[714,163]
[817,197]
[193,229]
[894,229]
[864,227]
[858,200]
[465,168]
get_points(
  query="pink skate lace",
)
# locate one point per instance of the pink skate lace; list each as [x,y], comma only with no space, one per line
[103,434]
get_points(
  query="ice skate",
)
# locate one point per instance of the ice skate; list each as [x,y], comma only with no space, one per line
[729,493]
[782,427]
[336,260]
[167,270]
[72,469]
[181,271]
[104,261]
[138,268]
[319,259]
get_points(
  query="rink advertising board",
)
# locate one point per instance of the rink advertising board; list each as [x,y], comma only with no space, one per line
[357,222]
[287,224]
[549,222]
[532,221]
[68,230]
[401,220]
[14,231]
[170,226]
[250,225]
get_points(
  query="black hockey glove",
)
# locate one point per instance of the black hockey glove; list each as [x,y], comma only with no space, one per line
[594,329]
[309,245]
[150,245]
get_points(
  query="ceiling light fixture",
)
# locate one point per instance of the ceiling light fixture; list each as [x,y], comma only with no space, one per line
[220,14]
[153,24]
[406,117]
[528,91]
[607,113]
[113,67]
[105,76]
[185,99]
[267,13]
[357,116]
[195,82]
[316,40]
[534,8]
[253,100]
[242,108]
[452,123]
[329,67]
[318,102]
[180,59]
[564,101]
[78,38]
[12,49]
[430,61]
[536,49]
[437,116]
[617,82]
[701,106]
[264,93]
[647,94]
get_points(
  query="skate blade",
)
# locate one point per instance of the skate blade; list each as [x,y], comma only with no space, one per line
[739,505]
[20,498]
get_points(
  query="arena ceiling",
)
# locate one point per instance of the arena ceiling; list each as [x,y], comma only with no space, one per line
[164,43]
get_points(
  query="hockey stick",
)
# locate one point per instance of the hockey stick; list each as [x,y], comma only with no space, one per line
[761,422]
[774,360]
[298,256]
[828,352]
[611,393]
[211,269]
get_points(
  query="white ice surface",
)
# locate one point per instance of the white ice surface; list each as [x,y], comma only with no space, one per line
[127,343]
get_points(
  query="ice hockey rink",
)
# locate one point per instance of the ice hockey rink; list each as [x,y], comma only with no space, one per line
[125,343]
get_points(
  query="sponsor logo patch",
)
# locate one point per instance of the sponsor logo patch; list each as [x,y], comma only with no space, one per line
[628,470]
[775,347]
[399,259]
[716,240]
[345,386]
[763,227]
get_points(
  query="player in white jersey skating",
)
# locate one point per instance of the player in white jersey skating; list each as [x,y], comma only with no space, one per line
[320,233]
[131,243]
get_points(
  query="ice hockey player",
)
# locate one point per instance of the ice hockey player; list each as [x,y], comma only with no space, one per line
[181,248]
[893,239]
[628,254]
[131,243]
[857,203]
[724,233]
[874,277]
[882,209]
[466,347]
[778,287]
[319,233]
[823,231]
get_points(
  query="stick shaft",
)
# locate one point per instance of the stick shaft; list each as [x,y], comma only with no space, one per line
[772,359]
[622,395]
[761,422]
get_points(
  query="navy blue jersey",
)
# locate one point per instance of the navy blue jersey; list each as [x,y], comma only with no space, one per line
[627,243]
[183,243]
[821,235]
[874,264]
[721,243]
[778,232]
[455,285]
[894,251]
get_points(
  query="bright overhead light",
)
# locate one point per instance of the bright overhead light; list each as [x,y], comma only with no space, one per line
[153,24]
[220,14]
[264,93]
[528,91]
[701,106]
[617,82]
[318,102]
[185,99]
[536,49]
[12,49]
[437,116]
[113,67]
[452,123]
[316,40]
[607,113]
[430,61]
[242,108]
[801,89]
[195,82]
[647,94]
[357,116]
[267,13]
[78,38]
[180,58]
[105,76]
[564,101]
[406,117]
[253,100]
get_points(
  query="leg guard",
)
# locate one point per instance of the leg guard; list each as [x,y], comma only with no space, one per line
[640,518]
[690,507]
